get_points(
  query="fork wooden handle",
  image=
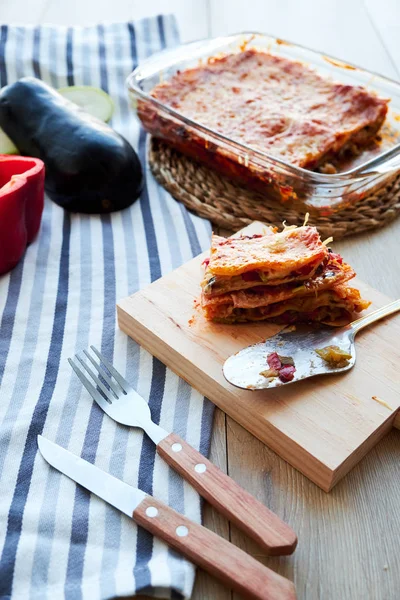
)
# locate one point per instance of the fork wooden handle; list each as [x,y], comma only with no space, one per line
[214,554]
[240,507]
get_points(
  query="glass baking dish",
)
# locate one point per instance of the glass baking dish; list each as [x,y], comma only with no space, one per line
[358,178]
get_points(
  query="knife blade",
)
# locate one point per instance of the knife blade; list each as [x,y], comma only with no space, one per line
[214,554]
[114,491]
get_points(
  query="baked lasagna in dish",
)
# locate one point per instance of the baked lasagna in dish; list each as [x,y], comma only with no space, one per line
[272,104]
[285,277]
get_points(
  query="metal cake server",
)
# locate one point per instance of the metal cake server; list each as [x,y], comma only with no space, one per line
[300,343]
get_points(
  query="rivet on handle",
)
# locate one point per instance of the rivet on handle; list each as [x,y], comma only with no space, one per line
[181,531]
[176,447]
[151,511]
[200,468]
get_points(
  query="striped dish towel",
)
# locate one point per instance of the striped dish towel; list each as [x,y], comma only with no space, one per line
[56,540]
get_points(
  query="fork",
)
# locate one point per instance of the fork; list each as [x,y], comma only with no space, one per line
[122,403]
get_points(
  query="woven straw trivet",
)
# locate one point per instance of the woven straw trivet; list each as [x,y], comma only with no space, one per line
[231,206]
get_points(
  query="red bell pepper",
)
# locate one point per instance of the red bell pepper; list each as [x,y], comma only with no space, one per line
[21,206]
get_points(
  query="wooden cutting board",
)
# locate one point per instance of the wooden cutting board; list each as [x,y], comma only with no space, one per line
[322,426]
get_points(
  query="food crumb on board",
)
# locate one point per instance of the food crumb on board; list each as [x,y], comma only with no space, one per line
[385,567]
[382,402]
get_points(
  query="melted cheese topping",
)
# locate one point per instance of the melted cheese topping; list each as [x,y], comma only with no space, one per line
[275,255]
[275,105]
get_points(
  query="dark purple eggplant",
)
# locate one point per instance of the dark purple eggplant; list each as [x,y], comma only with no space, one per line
[90,168]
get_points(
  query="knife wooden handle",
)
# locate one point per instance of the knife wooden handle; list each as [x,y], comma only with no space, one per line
[214,554]
[240,507]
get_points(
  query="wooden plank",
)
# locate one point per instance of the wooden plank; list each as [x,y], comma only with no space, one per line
[340,28]
[321,428]
[348,539]
[191,14]
[385,19]
[346,549]
[18,12]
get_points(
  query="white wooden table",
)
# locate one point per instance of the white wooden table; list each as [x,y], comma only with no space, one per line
[348,540]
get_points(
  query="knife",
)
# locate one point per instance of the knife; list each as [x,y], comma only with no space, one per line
[212,553]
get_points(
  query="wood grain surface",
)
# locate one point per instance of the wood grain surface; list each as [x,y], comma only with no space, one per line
[241,508]
[349,539]
[238,570]
[323,426]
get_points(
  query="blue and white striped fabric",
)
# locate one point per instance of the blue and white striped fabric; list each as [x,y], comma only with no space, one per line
[55,539]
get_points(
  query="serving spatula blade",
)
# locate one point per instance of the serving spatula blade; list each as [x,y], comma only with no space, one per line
[298,343]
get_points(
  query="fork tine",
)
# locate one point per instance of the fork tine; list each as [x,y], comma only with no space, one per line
[122,382]
[103,374]
[97,380]
[90,388]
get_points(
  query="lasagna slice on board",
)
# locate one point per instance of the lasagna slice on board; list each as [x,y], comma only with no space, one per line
[285,277]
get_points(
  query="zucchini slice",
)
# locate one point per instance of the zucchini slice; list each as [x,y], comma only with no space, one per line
[91,99]
[6,145]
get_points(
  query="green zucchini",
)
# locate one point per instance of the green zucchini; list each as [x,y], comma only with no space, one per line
[93,100]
